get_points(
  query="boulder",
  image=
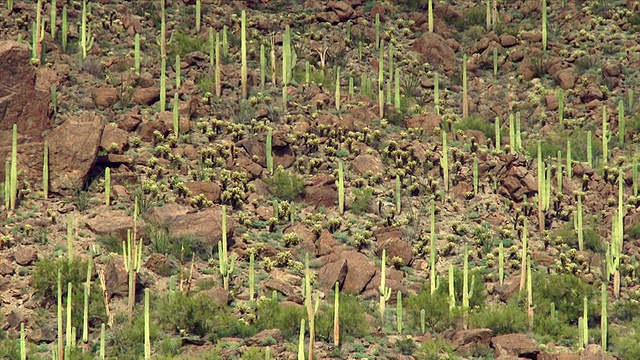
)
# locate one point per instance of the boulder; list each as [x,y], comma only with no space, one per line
[73,150]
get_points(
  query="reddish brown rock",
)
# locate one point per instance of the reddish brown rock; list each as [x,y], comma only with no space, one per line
[114,139]
[322,192]
[519,345]
[146,96]
[219,295]
[25,255]
[467,340]
[395,246]
[104,96]
[111,222]
[566,79]
[206,224]
[158,263]
[20,101]
[210,190]
[367,163]
[436,50]
[428,122]
[73,150]
[508,40]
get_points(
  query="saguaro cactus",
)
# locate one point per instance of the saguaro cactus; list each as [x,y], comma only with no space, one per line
[312,308]
[226,265]
[336,315]
[384,291]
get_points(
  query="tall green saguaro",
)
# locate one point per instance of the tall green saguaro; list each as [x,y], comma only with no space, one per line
[243,49]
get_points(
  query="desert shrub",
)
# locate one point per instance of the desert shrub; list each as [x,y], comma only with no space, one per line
[586,63]
[624,311]
[45,285]
[253,353]
[285,185]
[353,321]
[569,236]
[435,350]
[472,17]
[566,291]
[112,242]
[9,348]
[549,328]
[501,318]
[198,315]
[193,245]
[474,123]
[362,200]
[182,44]
[558,142]
[406,346]
[127,340]
[438,317]
[633,231]
[625,341]
[273,315]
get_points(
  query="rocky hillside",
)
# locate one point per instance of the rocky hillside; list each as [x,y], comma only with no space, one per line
[423,160]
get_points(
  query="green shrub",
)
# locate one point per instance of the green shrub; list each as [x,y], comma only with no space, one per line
[198,315]
[501,318]
[406,346]
[285,185]
[362,200]
[127,340]
[437,315]
[591,239]
[625,341]
[625,311]
[45,285]
[273,315]
[253,353]
[9,349]
[472,17]
[112,242]
[182,44]
[435,350]
[552,329]
[474,123]
[353,320]
[566,291]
